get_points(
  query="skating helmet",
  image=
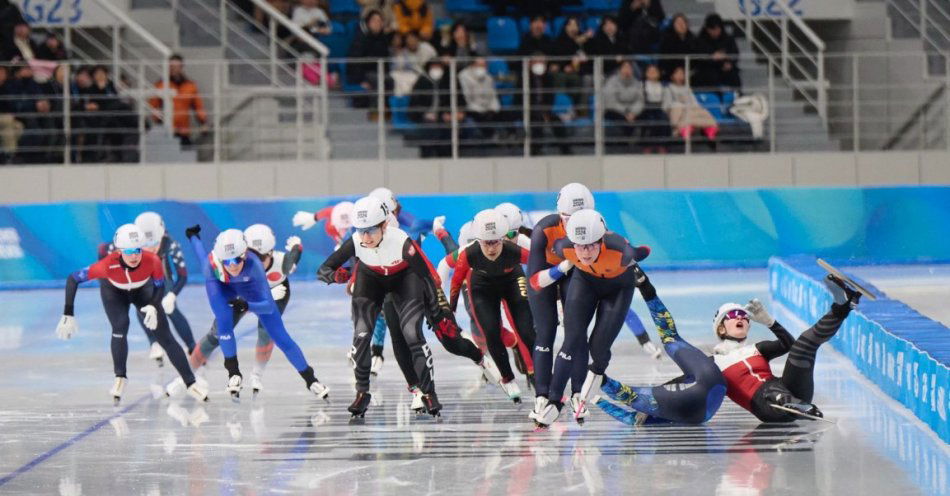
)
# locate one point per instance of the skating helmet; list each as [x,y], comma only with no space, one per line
[574,197]
[512,214]
[721,314]
[585,227]
[369,211]
[230,244]
[387,196]
[128,237]
[152,226]
[260,238]
[489,225]
[342,216]
[465,234]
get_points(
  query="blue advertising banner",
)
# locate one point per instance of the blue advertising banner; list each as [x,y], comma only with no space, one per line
[42,244]
[904,353]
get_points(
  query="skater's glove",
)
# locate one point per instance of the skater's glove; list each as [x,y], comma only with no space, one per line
[446,328]
[304,220]
[238,305]
[151,317]
[758,313]
[342,275]
[168,303]
[438,224]
[67,327]
[292,242]
[278,292]
[193,231]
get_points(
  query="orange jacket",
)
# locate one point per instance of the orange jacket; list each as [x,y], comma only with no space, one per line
[185,99]
[414,15]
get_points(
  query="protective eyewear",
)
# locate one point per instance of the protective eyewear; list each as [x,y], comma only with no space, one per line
[737,314]
[368,230]
[490,242]
[131,251]
[229,262]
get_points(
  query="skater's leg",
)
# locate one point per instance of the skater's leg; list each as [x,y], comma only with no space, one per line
[400,349]
[519,315]
[116,305]
[379,336]
[210,342]
[142,297]
[486,306]
[578,311]
[274,324]
[409,302]
[148,333]
[265,345]
[622,414]
[476,333]
[578,370]
[636,325]
[182,328]
[611,312]
[544,312]
[365,311]
[800,367]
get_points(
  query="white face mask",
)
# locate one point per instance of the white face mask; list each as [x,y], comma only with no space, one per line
[479,71]
[436,73]
[537,69]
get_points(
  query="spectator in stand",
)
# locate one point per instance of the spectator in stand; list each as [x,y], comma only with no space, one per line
[720,69]
[186,100]
[34,110]
[314,20]
[640,24]
[460,43]
[410,61]
[414,16]
[572,61]
[623,100]
[481,99]
[52,49]
[430,106]
[21,47]
[608,44]
[385,9]
[371,42]
[118,122]
[10,128]
[535,40]
[654,122]
[541,101]
[686,114]
[10,16]
[677,43]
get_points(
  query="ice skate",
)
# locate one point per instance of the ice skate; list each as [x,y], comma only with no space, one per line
[432,405]
[651,349]
[199,390]
[234,386]
[175,387]
[359,406]
[842,278]
[842,292]
[512,390]
[489,370]
[320,390]
[579,408]
[117,389]
[377,365]
[157,353]
[417,406]
[548,415]
[802,410]
[540,403]
[257,385]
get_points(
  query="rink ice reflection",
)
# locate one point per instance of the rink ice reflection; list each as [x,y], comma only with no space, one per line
[60,434]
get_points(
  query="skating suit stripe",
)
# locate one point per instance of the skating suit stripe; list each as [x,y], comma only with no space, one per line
[745,371]
[111,268]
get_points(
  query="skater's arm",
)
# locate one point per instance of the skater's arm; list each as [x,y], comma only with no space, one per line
[264,302]
[94,271]
[546,277]
[292,256]
[539,243]
[778,347]
[462,269]
[178,262]
[448,242]
[202,255]
[444,269]
[323,213]
[414,226]
[327,271]
[158,278]
[661,316]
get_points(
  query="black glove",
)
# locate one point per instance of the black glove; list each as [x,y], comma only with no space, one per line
[238,305]
[193,231]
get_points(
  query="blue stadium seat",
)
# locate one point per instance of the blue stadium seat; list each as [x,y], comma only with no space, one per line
[399,106]
[443,21]
[344,7]
[562,104]
[338,41]
[498,67]
[466,7]
[503,35]
[593,23]
[558,25]
[711,102]
[602,6]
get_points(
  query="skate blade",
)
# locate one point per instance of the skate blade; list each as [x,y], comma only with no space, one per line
[840,275]
[800,414]
[256,392]
[159,362]
[357,420]
[235,397]
[541,427]
[579,420]
[116,400]
[516,401]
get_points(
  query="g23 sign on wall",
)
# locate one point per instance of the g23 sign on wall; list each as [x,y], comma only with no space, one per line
[65,12]
[806,9]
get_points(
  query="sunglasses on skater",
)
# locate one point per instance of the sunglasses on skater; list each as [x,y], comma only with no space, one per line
[490,242]
[368,230]
[228,262]
[737,314]
[131,251]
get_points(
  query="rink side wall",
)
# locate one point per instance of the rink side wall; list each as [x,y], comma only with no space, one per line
[904,353]
[42,244]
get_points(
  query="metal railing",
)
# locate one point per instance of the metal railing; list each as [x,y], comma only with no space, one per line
[400,114]
[930,20]
[799,53]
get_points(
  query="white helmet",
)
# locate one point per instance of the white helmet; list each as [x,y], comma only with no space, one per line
[128,237]
[260,238]
[230,244]
[369,211]
[720,316]
[574,197]
[465,234]
[489,225]
[341,216]
[387,196]
[152,226]
[585,227]
[512,214]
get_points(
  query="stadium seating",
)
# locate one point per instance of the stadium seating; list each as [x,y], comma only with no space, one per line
[503,35]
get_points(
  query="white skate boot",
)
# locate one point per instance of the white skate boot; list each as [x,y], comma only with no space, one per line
[540,403]
[257,385]
[579,408]
[235,383]
[320,390]
[157,353]
[198,390]
[512,390]
[118,387]
[651,349]
[417,405]
[376,365]
[489,370]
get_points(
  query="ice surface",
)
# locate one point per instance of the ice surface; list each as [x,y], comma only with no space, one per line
[59,433]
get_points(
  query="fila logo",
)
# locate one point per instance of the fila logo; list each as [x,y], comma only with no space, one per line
[543,349]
